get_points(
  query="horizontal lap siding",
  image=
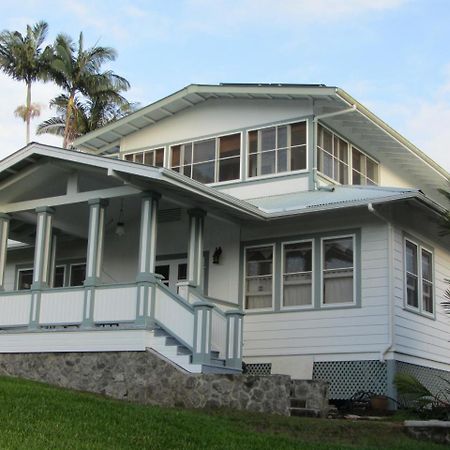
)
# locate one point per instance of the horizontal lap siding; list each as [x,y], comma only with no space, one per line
[338,331]
[415,335]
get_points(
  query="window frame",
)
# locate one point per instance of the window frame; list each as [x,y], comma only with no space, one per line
[355,271]
[244,284]
[420,309]
[69,281]
[22,269]
[143,151]
[275,125]
[351,146]
[282,274]
[216,159]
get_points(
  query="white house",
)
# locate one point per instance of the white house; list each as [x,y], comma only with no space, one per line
[285,226]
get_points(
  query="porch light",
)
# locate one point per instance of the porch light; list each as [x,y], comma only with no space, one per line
[120,226]
[216,255]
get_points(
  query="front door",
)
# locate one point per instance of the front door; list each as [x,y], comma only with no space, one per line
[173,271]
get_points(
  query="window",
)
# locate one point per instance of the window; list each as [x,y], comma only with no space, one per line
[338,270]
[364,169]
[259,277]
[77,274]
[297,274]
[277,149]
[333,160]
[153,157]
[60,275]
[24,279]
[210,160]
[419,277]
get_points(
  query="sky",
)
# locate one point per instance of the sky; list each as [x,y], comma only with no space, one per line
[393,56]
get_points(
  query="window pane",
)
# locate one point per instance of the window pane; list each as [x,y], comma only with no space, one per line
[298,133]
[298,257]
[411,257]
[182,271]
[298,158]
[342,150]
[164,271]
[159,157]
[59,276]
[128,157]
[427,266]
[338,286]
[229,169]
[356,178]
[282,137]
[253,165]
[204,150]
[259,261]
[230,146]
[372,170]
[357,160]
[203,172]
[148,158]
[187,170]
[267,163]
[187,154]
[427,294]
[282,160]
[253,141]
[259,265]
[25,279]
[338,253]
[325,163]
[412,293]
[343,173]
[139,158]
[175,159]
[77,274]
[268,138]
[325,139]
[297,289]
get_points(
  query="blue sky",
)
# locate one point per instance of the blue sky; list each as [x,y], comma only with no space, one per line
[391,55]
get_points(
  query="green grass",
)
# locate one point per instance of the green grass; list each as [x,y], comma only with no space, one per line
[37,416]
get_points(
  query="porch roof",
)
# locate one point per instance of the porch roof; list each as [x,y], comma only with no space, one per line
[140,177]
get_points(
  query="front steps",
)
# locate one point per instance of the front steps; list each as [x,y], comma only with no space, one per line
[298,409]
[176,353]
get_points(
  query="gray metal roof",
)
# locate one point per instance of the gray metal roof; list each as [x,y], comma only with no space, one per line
[337,197]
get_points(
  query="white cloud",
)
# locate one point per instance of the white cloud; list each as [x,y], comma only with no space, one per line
[12,129]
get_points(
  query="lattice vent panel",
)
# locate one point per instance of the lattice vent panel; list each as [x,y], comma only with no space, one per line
[259,369]
[349,377]
[433,379]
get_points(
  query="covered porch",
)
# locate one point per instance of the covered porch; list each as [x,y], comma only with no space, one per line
[96,232]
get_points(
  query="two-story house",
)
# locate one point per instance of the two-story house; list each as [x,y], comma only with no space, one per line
[285,226]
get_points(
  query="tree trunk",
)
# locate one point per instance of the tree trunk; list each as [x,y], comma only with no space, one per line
[28,111]
[68,119]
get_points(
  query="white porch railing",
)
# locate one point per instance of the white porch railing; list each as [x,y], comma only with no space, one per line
[200,326]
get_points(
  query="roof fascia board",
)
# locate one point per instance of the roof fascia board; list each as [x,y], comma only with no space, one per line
[348,99]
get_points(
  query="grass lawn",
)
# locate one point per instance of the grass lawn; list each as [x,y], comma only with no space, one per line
[37,416]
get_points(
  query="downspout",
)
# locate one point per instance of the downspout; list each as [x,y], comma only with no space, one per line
[315,121]
[390,282]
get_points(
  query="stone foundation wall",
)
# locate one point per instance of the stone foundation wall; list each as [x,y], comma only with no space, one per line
[146,378]
[315,394]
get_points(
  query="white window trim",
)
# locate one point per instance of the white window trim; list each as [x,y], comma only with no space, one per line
[22,269]
[355,271]
[313,275]
[244,284]
[216,156]
[419,310]
[64,276]
[151,149]
[275,174]
[70,271]
[349,158]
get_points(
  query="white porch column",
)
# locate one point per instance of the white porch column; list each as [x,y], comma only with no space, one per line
[147,258]
[95,241]
[201,352]
[147,240]
[4,232]
[235,320]
[52,265]
[42,249]
[195,247]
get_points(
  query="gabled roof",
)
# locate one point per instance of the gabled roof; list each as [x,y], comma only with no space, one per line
[256,209]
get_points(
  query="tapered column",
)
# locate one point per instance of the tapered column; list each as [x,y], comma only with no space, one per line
[147,258]
[95,241]
[42,250]
[42,256]
[4,233]
[147,241]
[234,338]
[195,247]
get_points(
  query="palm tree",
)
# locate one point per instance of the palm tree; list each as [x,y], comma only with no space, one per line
[88,114]
[78,72]
[23,58]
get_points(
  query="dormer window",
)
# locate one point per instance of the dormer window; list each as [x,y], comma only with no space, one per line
[277,149]
[340,161]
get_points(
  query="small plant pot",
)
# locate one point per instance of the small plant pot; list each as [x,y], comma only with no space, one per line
[379,403]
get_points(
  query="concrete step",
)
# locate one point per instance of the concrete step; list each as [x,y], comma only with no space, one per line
[182,350]
[304,412]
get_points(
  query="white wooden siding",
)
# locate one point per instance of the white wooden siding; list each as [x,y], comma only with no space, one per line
[340,331]
[417,336]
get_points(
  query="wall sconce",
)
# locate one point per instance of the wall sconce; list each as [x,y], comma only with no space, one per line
[216,255]
[120,226]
